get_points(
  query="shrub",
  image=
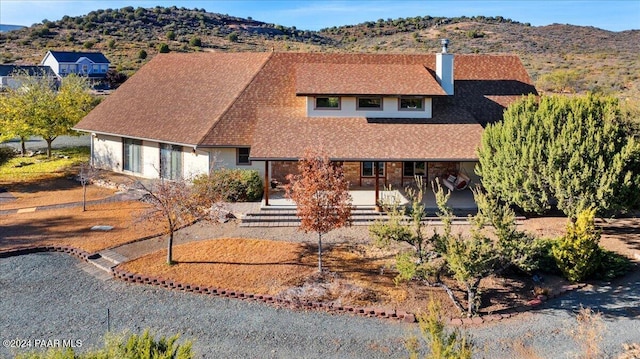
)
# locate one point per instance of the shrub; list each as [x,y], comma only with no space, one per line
[119,346]
[195,41]
[577,253]
[612,265]
[163,48]
[231,185]
[6,153]
[233,37]
[142,54]
[171,35]
[442,344]
[89,44]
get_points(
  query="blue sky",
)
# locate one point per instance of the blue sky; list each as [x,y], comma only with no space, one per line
[615,15]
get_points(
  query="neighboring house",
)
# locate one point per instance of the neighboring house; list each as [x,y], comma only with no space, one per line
[10,74]
[91,64]
[407,114]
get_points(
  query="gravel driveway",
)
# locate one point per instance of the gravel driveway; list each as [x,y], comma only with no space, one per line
[51,296]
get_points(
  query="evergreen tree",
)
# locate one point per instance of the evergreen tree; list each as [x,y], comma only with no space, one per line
[574,152]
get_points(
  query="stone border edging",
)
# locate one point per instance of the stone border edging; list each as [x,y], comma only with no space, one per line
[267,299]
[383,313]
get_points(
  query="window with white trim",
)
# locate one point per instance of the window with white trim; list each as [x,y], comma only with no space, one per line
[368,171]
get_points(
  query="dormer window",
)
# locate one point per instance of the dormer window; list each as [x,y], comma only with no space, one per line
[411,103]
[370,103]
[328,103]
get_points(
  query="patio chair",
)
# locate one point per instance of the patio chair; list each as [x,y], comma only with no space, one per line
[457,182]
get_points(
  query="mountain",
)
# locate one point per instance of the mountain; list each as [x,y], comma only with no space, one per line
[560,58]
[5,28]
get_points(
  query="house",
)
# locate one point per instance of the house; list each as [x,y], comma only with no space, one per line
[384,117]
[91,64]
[10,74]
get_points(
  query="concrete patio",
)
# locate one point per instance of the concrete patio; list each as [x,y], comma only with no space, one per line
[365,199]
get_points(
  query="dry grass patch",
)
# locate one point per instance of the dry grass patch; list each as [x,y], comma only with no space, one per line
[72,227]
[249,265]
[50,191]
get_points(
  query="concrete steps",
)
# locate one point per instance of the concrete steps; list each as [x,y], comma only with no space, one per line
[107,259]
[362,216]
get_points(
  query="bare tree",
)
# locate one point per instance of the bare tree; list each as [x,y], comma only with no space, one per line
[176,204]
[321,194]
[87,174]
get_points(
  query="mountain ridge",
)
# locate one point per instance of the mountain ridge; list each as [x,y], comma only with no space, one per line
[558,57]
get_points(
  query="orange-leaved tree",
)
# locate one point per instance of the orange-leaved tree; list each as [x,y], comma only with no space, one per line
[321,194]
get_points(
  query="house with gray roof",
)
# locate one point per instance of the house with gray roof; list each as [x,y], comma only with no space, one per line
[10,74]
[90,64]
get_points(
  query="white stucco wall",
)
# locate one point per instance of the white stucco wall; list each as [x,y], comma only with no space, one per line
[348,108]
[469,169]
[226,158]
[107,152]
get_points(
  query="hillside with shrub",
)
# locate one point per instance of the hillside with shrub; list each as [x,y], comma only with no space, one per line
[559,58]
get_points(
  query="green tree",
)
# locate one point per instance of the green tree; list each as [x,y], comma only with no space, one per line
[36,108]
[57,112]
[576,152]
[142,54]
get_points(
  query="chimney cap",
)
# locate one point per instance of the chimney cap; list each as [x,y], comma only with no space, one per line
[445,45]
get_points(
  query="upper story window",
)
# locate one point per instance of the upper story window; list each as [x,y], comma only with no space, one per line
[411,104]
[243,156]
[328,103]
[370,103]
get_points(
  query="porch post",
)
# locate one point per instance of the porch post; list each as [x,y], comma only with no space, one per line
[266,183]
[377,187]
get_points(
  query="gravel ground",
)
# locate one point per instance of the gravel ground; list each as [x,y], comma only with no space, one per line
[49,296]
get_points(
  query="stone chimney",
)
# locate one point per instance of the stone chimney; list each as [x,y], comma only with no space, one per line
[444,68]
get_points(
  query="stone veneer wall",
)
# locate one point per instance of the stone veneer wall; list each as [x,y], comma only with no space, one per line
[280,170]
[393,173]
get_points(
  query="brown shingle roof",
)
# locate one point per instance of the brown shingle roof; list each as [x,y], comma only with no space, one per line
[250,99]
[365,79]
[452,134]
[175,98]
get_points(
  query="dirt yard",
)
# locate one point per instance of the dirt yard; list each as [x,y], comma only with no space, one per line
[283,262]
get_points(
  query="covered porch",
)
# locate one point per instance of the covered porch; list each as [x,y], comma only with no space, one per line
[365,198]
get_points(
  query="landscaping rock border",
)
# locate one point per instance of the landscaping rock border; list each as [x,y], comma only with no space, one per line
[383,313]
